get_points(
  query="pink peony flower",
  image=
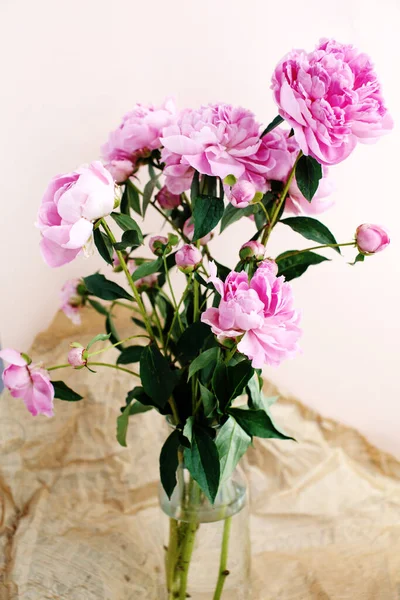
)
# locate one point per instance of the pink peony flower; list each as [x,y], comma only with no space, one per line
[136,137]
[167,200]
[188,230]
[188,258]
[30,382]
[371,238]
[241,194]
[332,99]
[252,249]
[71,300]
[70,205]
[217,140]
[283,151]
[75,357]
[156,242]
[269,265]
[260,312]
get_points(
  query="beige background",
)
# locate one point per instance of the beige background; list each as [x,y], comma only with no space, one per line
[71,69]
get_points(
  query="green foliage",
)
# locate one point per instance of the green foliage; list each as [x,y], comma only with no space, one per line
[148,192]
[229,381]
[131,197]
[63,392]
[293,265]
[207,213]
[112,331]
[202,460]
[130,239]
[308,175]
[103,288]
[102,310]
[103,246]
[233,214]
[232,442]
[192,341]
[138,408]
[203,360]
[169,462]
[359,258]
[257,422]
[277,121]
[312,229]
[129,355]
[126,223]
[158,379]
[100,337]
[148,268]
[208,400]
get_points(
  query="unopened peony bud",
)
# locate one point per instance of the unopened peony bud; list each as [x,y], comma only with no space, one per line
[371,238]
[188,230]
[166,200]
[241,194]
[75,357]
[158,244]
[251,250]
[188,258]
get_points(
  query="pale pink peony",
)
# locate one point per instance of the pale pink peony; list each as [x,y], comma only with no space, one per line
[269,265]
[283,151]
[252,249]
[188,230]
[71,300]
[136,137]
[260,310]
[217,140]
[70,205]
[188,258]
[167,200]
[371,238]
[31,383]
[75,357]
[332,99]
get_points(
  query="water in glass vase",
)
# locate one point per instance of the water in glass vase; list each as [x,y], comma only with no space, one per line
[207,546]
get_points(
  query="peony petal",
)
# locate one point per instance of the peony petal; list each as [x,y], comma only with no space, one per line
[13,357]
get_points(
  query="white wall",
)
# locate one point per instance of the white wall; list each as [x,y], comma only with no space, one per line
[71,69]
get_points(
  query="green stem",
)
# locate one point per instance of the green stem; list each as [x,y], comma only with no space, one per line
[171,289]
[117,344]
[264,210]
[315,248]
[171,556]
[230,354]
[116,302]
[269,226]
[96,364]
[188,542]
[185,292]
[130,280]
[223,572]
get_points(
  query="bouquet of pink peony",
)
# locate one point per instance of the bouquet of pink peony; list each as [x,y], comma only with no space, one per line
[200,353]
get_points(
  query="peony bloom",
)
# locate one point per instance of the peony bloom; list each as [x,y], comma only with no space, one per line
[71,300]
[75,357]
[332,99]
[269,265]
[30,382]
[136,137]
[188,258]
[241,194]
[283,151]
[371,238]
[252,249]
[260,312]
[217,140]
[156,243]
[188,230]
[70,205]
[167,200]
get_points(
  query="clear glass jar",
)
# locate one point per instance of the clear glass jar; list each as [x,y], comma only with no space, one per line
[207,546]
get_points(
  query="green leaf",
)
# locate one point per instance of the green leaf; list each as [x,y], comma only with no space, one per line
[148,193]
[195,187]
[130,355]
[122,426]
[232,442]
[204,359]
[293,265]
[130,239]
[359,258]
[188,428]
[138,408]
[111,329]
[308,175]
[157,378]
[98,307]
[220,383]
[100,337]
[103,245]
[202,460]
[312,229]
[233,214]
[63,392]
[229,382]
[192,341]
[257,422]
[105,289]
[169,462]
[138,394]
[209,401]
[132,196]
[126,223]
[277,121]
[207,213]
[147,268]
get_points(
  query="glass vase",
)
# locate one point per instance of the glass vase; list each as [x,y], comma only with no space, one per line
[207,546]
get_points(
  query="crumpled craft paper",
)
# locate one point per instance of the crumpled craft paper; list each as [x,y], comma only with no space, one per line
[79,514]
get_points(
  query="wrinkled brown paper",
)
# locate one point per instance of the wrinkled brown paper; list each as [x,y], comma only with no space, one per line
[79,514]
